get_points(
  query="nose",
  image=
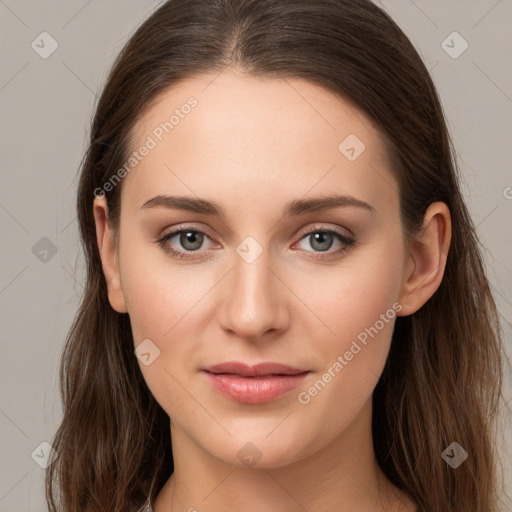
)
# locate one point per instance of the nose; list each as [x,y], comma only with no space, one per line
[254,304]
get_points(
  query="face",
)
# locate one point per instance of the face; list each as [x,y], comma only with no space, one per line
[266,279]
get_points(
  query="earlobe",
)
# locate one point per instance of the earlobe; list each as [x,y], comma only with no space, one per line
[429,252]
[108,254]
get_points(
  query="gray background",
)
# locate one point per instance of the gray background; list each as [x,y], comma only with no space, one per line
[46,106]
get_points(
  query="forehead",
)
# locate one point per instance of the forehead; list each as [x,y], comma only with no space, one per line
[254,135]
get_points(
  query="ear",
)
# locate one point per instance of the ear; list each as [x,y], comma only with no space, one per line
[108,254]
[427,259]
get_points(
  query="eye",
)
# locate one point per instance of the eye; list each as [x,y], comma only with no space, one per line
[321,240]
[191,239]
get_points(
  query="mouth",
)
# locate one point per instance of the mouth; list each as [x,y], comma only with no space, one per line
[256,384]
[257,370]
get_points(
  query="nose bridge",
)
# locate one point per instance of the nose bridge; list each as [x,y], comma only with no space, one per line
[252,304]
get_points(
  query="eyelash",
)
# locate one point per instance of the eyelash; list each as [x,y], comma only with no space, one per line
[347,241]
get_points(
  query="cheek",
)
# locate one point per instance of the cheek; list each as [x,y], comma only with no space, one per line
[351,297]
[161,296]
[163,305]
[166,303]
[358,307]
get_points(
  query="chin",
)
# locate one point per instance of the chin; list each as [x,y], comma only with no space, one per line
[261,451]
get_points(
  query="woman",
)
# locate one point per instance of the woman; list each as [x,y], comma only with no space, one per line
[286,307]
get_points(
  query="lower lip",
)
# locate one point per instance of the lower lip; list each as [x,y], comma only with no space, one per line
[254,390]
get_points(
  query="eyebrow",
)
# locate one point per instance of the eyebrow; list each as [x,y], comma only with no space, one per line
[294,208]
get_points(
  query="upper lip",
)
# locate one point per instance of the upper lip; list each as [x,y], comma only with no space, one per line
[256,370]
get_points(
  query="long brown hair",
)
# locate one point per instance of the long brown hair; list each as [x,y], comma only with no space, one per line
[442,380]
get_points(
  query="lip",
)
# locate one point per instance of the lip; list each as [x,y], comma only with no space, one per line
[257,384]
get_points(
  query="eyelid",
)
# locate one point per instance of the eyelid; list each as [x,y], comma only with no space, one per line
[186,227]
[323,227]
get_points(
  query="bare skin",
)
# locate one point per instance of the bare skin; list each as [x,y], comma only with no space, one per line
[253,145]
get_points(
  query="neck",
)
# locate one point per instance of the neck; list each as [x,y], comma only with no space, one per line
[341,476]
